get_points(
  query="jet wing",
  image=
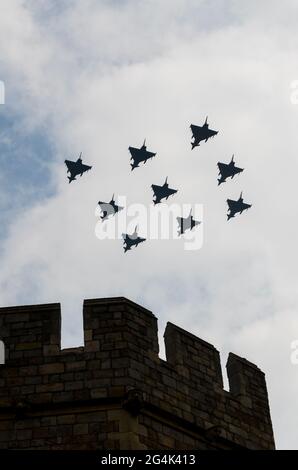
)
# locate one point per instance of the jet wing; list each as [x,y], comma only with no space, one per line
[170,191]
[135,153]
[157,189]
[139,240]
[71,166]
[233,205]
[181,222]
[210,133]
[84,168]
[117,208]
[149,155]
[236,169]
[101,203]
[244,206]
[196,130]
[126,238]
[222,166]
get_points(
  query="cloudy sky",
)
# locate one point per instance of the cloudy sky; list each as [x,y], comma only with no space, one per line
[96,76]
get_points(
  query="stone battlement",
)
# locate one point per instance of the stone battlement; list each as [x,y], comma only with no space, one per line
[115,392]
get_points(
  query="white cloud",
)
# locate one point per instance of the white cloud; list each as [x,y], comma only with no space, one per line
[102,77]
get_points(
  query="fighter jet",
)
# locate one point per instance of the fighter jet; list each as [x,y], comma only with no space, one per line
[131,240]
[109,208]
[161,192]
[186,223]
[200,133]
[227,170]
[139,155]
[76,168]
[236,206]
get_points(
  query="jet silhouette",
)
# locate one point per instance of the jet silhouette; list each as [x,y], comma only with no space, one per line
[109,208]
[131,240]
[186,223]
[140,155]
[227,170]
[236,206]
[161,192]
[76,168]
[200,133]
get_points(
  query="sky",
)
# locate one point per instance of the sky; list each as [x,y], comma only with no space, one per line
[96,76]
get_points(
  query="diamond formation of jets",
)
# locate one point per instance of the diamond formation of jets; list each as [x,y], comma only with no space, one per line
[227,170]
[200,133]
[186,223]
[139,155]
[109,208]
[236,206]
[161,192]
[131,240]
[76,168]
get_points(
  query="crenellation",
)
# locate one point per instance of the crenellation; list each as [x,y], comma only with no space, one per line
[247,383]
[199,359]
[70,395]
[26,331]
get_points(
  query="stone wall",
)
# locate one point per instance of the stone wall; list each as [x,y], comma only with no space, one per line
[115,392]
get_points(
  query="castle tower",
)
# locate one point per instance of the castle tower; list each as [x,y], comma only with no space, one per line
[115,392]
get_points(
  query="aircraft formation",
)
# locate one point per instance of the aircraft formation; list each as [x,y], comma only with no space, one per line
[160,192]
[226,170]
